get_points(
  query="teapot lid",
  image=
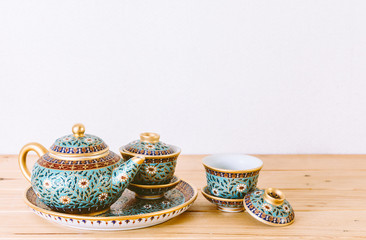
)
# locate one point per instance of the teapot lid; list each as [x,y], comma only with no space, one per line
[78,143]
[149,144]
[269,206]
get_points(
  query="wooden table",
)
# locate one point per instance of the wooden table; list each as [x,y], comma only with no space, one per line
[328,193]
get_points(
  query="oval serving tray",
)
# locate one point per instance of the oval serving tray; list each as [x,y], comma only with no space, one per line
[128,212]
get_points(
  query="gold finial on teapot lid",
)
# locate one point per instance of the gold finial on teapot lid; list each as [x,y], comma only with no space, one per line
[149,137]
[78,130]
[79,144]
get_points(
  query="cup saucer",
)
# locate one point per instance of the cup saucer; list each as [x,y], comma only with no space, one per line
[223,204]
[153,191]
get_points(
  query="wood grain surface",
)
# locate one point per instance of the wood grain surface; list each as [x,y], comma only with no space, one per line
[327,192]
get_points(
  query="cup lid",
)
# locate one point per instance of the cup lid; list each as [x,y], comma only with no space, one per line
[78,143]
[149,144]
[269,206]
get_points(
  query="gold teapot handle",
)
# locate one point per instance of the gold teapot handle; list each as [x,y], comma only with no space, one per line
[36,147]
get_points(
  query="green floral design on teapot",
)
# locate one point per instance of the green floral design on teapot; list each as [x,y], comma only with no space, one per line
[72,180]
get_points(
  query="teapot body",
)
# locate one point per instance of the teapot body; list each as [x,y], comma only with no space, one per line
[78,174]
[81,186]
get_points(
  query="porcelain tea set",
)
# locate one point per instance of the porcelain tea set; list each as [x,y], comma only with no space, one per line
[232,187]
[80,183]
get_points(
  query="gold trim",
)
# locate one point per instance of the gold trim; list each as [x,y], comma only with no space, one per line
[78,130]
[149,137]
[157,186]
[83,217]
[117,157]
[218,198]
[138,159]
[234,171]
[85,169]
[92,155]
[274,200]
[123,150]
[150,197]
[265,222]
[22,158]
[230,210]
[97,213]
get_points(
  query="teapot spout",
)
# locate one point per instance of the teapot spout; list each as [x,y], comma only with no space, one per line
[125,173]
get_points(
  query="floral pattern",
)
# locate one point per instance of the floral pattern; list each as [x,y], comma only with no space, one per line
[131,205]
[266,207]
[82,191]
[241,187]
[150,169]
[231,188]
[150,147]
[83,183]
[47,183]
[257,192]
[146,148]
[122,177]
[103,196]
[147,206]
[65,200]
[89,140]
[286,208]
[267,212]
[232,175]
[154,171]
[78,145]
[126,205]
[61,164]
[215,192]
[223,203]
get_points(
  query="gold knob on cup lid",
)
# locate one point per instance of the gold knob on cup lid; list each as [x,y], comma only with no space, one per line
[274,196]
[269,206]
[149,137]
[78,130]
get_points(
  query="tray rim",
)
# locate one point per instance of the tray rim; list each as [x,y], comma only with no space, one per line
[111,218]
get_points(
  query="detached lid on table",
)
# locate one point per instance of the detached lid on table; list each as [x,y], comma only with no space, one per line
[269,206]
[150,145]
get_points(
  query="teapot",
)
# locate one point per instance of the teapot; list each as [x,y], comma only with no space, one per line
[78,174]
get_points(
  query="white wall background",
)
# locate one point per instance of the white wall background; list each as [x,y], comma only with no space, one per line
[209,76]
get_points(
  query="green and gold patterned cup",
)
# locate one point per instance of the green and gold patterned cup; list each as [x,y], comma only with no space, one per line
[160,159]
[231,176]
